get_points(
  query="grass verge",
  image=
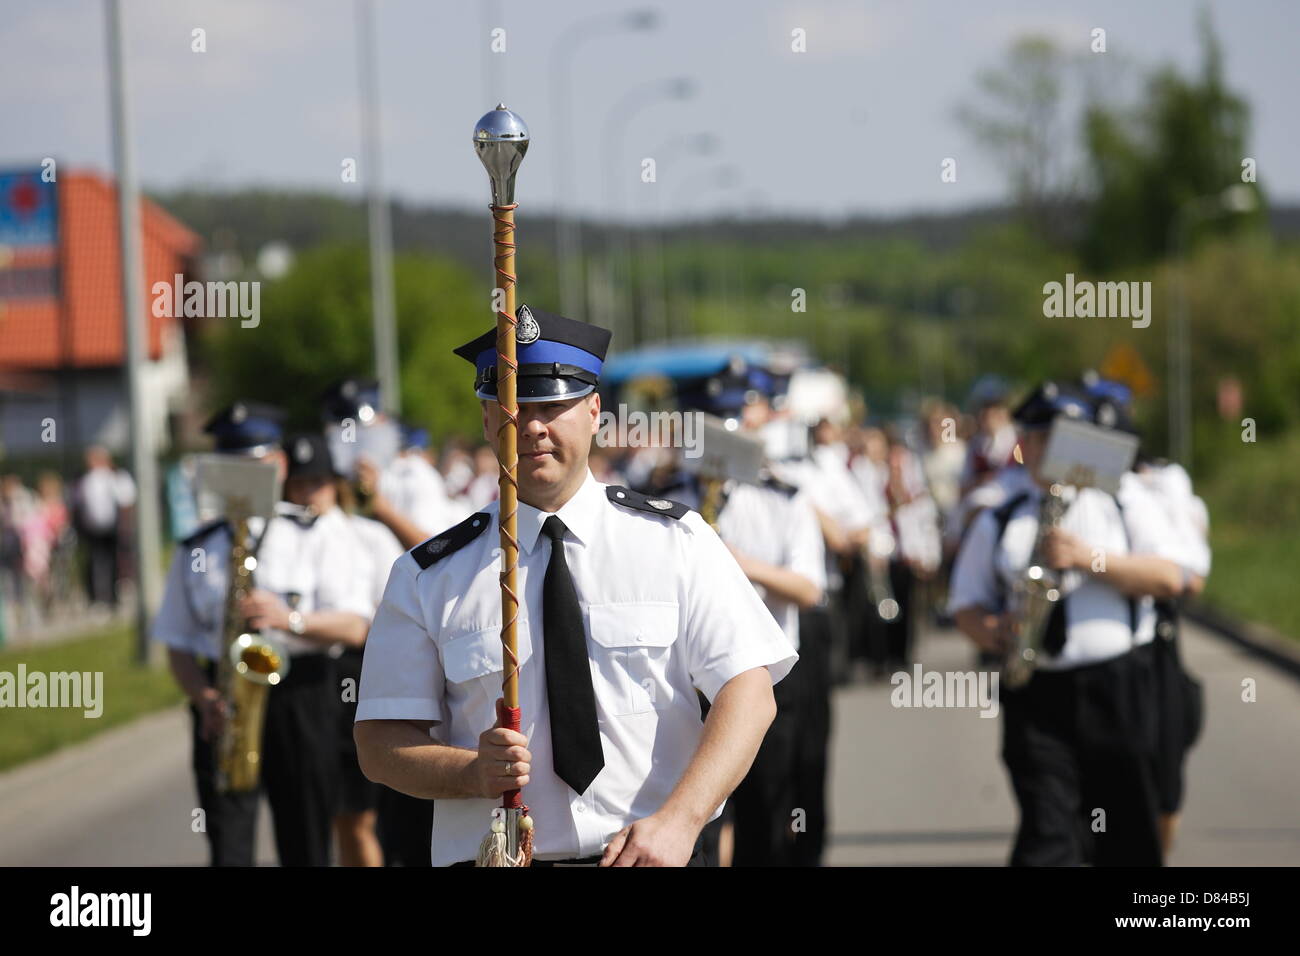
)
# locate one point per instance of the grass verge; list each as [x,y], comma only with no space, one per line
[129,691]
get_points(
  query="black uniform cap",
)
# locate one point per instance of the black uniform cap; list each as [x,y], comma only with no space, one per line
[355,398]
[246,427]
[557,357]
[309,456]
[1050,399]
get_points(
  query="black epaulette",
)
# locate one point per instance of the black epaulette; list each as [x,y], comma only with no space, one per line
[451,540]
[655,506]
[202,531]
[299,515]
[774,483]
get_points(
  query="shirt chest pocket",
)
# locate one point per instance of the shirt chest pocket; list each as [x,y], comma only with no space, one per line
[475,656]
[631,655]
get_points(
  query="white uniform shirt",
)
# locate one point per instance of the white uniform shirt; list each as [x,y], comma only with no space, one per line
[1169,488]
[416,490]
[310,568]
[1096,614]
[779,529]
[666,610]
[379,549]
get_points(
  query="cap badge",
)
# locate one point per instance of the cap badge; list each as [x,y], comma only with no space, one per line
[302,451]
[527,331]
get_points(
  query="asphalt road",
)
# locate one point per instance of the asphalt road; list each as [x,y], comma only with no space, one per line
[910,786]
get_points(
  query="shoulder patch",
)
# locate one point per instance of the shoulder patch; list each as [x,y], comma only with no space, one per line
[647,503]
[451,540]
[202,531]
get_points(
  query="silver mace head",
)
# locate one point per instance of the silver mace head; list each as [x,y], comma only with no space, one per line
[501,139]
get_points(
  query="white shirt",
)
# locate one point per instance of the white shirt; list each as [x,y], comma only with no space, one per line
[379,549]
[778,529]
[666,609]
[1169,488]
[1005,484]
[309,568]
[1096,614]
[102,491]
[416,490]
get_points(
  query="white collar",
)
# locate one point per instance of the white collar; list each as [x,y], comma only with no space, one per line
[580,514]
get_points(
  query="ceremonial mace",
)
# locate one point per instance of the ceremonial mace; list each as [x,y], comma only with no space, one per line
[501,139]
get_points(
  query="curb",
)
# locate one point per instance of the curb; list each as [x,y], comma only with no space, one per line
[1258,639]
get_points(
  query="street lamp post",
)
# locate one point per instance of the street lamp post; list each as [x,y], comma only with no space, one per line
[720,177]
[568,237]
[665,155]
[616,123]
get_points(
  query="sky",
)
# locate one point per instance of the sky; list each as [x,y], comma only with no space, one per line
[860,123]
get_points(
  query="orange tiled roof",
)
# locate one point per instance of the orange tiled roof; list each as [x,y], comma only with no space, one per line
[30,329]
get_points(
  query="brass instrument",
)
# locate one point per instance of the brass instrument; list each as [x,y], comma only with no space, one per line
[250,664]
[1036,593]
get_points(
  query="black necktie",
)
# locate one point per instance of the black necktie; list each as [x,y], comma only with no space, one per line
[575,736]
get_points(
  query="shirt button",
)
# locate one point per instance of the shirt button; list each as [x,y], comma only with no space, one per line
[581,808]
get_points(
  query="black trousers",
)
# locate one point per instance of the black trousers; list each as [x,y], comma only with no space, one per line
[357,794]
[230,819]
[301,764]
[405,828]
[1080,746]
[300,773]
[812,736]
[764,803]
[101,567]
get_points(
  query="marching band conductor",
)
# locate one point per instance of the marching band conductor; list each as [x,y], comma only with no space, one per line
[627,605]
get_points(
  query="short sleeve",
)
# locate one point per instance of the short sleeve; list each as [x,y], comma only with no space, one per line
[729,630]
[974,578]
[175,625]
[401,675]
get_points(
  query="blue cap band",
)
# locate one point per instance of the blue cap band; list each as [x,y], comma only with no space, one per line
[543,352]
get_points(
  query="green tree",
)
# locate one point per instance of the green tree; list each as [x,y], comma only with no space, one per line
[315,329]
[1186,140]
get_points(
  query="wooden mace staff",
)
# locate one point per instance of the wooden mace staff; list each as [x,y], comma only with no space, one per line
[501,139]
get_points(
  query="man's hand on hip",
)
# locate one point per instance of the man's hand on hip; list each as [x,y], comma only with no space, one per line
[653,841]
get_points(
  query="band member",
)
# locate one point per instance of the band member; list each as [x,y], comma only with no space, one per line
[409,499]
[627,604]
[306,593]
[1165,487]
[774,534]
[406,494]
[1079,737]
[356,823]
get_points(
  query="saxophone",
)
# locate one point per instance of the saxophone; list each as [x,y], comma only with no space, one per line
[1036,592]
[249,665]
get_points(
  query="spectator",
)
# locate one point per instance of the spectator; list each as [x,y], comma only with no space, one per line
[103,493]
[17,505]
